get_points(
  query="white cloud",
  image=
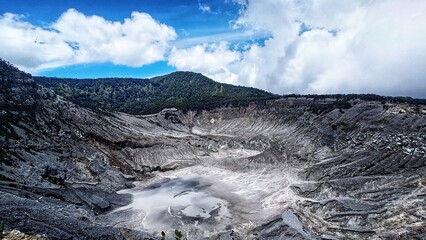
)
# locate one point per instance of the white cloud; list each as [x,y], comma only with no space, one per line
[213,60]
[31,47]
[203,7]
[77,38]
[377,46]
[350,46]
[359,46]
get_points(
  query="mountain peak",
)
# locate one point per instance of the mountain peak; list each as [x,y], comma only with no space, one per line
[183,90]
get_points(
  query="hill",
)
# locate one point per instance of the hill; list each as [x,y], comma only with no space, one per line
[183,90]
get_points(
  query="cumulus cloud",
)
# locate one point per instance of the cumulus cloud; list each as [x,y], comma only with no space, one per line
[216,61]
[364,46]
[31,47]
[328,46]
[76,38]
[321,46]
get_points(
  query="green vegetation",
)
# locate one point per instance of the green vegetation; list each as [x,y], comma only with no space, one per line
[178,235]
[1,230]
[183,90]
[9,73]
[345,101]
[325,108]
[366,97]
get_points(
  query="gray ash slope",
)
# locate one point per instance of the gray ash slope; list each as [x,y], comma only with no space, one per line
[358,173]
[54,180]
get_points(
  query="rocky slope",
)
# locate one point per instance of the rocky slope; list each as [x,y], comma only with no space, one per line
[359,170]
[53,180]
[356,173]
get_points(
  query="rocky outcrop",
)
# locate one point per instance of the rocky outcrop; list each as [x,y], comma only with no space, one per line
[53,180]
[360,169]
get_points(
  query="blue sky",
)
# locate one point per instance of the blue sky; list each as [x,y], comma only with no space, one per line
[282,46]
[185,16]
[190,22]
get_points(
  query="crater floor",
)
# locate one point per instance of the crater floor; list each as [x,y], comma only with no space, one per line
[280,172]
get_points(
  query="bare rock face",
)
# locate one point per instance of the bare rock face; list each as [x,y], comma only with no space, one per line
[360,170]
[52,180]
[356,173]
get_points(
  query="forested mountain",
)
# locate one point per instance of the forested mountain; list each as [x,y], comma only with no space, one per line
[184,90]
